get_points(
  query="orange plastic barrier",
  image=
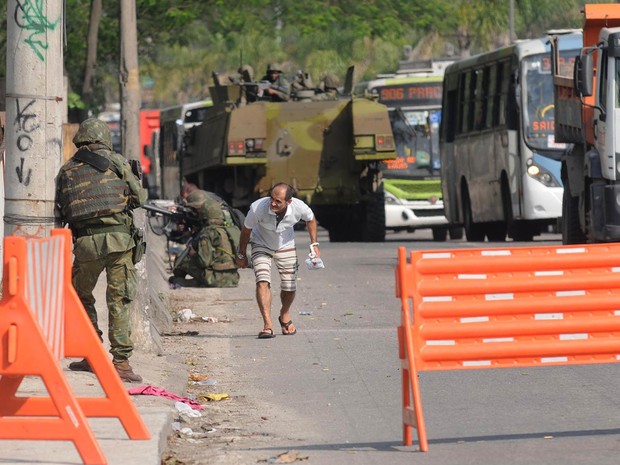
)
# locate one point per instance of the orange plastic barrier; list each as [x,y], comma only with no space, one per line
[501,308]
[42,320]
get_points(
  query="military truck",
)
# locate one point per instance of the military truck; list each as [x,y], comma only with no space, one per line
[329,151]
[586,105]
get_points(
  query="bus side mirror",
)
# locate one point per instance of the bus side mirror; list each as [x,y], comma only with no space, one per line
[584,71]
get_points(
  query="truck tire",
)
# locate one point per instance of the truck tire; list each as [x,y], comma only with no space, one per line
[571,231]
[373,218]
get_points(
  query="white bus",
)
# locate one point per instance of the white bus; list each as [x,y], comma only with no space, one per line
[500,167]
[174,122]
[411,182]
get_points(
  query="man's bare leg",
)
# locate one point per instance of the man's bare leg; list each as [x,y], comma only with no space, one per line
[263,297]
[287,298]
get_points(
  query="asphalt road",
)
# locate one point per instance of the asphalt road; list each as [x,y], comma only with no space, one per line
[335,388]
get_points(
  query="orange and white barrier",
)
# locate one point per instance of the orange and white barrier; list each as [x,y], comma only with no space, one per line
[41,321]
[502,308]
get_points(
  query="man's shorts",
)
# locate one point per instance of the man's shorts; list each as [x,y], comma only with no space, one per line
[285,260]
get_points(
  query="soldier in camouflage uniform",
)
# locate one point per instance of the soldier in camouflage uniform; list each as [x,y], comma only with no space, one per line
[328,88]
[209,257]
[96,190]
[279,89]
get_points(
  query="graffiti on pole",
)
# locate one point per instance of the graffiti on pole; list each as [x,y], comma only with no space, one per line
[29,16]
[27,122]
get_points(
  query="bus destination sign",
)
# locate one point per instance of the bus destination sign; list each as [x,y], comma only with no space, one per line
[411,94]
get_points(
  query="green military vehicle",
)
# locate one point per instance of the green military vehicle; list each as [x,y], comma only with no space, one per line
[329,151]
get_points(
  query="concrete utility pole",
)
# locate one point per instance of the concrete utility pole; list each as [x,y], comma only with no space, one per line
[34,115]
[130,82]
[143,334]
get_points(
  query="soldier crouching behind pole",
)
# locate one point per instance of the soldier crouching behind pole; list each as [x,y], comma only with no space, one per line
[96,191]
[209,257]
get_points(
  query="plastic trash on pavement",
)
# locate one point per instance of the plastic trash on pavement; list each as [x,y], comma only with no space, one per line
[187,410]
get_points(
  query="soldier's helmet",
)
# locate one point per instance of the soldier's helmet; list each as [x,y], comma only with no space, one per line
[274,68]
[246,71]
[331,81]
[196,199]
[93,131]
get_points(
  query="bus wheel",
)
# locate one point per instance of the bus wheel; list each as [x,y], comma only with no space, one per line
[440,234]
[571,231]
[496,231]
[473,231]
[523,232]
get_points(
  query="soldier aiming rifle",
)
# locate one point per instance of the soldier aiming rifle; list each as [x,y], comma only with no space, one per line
[207,226]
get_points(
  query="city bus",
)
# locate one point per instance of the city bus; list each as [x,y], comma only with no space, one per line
[500,164]
[174,123]
[412,183]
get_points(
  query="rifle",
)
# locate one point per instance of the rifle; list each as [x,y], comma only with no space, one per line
[175,215]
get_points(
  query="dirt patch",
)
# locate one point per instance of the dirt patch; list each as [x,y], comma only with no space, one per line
[231,424]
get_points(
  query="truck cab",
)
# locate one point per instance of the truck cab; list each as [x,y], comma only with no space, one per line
[588,108]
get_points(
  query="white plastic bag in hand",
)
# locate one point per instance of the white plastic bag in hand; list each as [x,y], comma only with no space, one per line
[312,262]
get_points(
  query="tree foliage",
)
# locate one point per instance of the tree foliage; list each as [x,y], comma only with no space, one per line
[181,42]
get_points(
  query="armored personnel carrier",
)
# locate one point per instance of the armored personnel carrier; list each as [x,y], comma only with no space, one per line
[329,151]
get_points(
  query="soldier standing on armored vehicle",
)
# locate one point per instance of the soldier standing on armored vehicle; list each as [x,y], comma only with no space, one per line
[280,89]
[96,191]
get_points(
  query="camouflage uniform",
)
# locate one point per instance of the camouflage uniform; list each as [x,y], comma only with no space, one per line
[328,88]
[213,263]
[280,84]
[104,242]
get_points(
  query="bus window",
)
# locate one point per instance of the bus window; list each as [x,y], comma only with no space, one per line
[491,91]
[537,88]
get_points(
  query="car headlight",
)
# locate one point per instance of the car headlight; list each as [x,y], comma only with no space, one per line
[391,199]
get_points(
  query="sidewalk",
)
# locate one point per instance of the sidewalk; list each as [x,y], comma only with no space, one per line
[157,412]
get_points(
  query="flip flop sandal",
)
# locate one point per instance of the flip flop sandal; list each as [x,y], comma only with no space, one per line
[285,327]
[266,333]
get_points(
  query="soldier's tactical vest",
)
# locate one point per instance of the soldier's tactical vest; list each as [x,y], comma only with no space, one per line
[91,186]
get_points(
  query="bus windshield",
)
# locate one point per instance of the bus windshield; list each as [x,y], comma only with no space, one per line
[537,94]
[416,140]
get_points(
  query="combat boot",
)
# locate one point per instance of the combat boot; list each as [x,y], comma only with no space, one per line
[126,372]
[82,365]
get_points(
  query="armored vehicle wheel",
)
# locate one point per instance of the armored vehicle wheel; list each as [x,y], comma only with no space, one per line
[339,233]
[373,218]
